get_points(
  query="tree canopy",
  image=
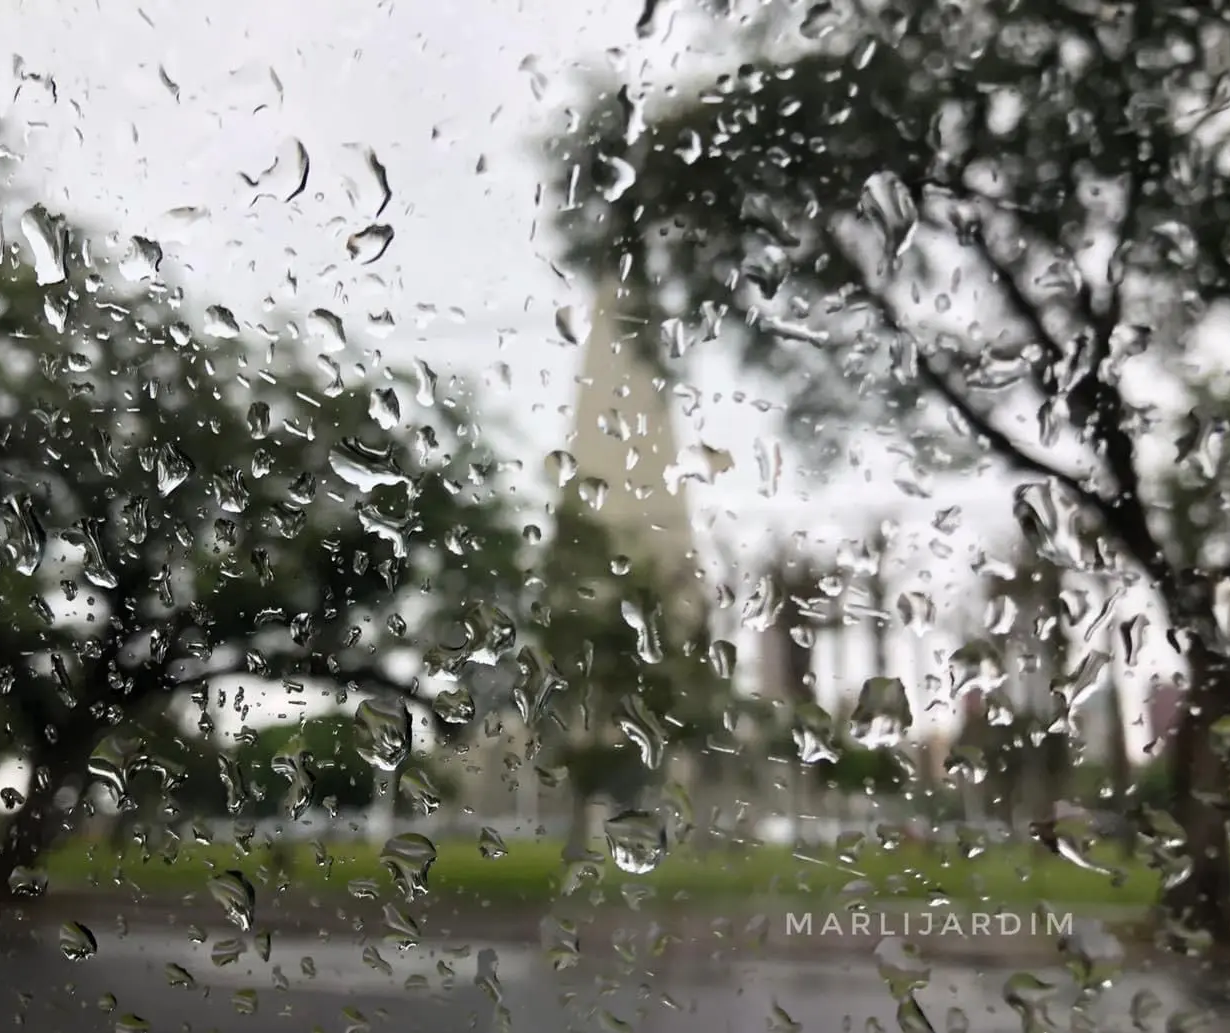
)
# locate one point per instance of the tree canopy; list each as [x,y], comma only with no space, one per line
[184,502]
[982,226]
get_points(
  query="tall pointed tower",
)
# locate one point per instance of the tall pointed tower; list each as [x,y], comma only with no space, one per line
[624,436]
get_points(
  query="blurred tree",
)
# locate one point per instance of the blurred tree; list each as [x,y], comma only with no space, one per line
[179,506]
[895,206]
[1027,624]
[325,747]
[786,652]
[612,686]
[178,781]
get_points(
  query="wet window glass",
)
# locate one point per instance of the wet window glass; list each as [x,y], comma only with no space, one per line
[638,516]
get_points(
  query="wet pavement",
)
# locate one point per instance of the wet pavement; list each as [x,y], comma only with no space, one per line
[351,983]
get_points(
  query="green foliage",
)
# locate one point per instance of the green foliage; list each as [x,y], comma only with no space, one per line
[656,684]
[756,194]
[340,774]
[855,770]
[909,876]
[182,505]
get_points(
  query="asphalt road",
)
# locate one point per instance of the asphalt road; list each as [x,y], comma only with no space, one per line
[162,980]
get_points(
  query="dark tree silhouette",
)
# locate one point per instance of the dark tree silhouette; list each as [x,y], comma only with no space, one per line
[181,505]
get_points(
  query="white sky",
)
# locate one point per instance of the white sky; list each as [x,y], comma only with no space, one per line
[432,88]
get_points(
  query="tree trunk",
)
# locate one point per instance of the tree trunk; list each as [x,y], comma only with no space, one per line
[576,846]
[38,824]
[33,828]
[1120,769]
[1198,784]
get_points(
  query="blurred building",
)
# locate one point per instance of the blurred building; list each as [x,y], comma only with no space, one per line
[616,461]
[624,445]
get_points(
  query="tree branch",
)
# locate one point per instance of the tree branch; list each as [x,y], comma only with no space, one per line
[999,442]
[1099,412]
[1123,516]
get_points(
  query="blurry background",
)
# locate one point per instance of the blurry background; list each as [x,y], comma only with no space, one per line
[324,443]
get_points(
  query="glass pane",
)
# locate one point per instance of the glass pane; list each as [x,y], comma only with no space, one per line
[575,517]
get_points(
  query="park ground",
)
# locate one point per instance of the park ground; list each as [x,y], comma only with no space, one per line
[532,872]
[736,897]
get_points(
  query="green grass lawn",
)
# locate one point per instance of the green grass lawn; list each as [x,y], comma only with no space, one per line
[532,872]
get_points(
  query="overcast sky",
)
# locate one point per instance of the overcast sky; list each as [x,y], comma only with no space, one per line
[161,105]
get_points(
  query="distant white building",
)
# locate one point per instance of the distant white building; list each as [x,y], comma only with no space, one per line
[624,445]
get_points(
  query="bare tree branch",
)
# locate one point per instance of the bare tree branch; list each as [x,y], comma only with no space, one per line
[1124,515]
[999,442]
[1099,412]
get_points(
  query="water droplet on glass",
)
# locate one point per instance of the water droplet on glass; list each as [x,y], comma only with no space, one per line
[454,706]
[179,977]
[47,236]
[286,178]
[637,841]
[815,735]
[87,535]
[326,329]
[258,420]
[644,730]
[917,612]
[1145,1007]
[562,943]
[237,896]
[425,378]
[573,323]
[561,467]
[384,408]
[417,787]
[25,541]
[1053,527]
[646,624]
[1027,994]
[220,322]
[403,930]
[967,762]
[245,1002]
[781,1021]
[172,468]
[911,1018]
[27,882]
[763,606]
[593,492]
[887,204]
[409,858]
[722,657]
[820,20]
[142,261]
[490,845]
[364,466]
[882,716]
[111,762]
[901,968]
[103,452]
[621,177]
[700,463]
[383,737]
[294,763]
[369,244]
[1132,633]
[227,952]
[77,943]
